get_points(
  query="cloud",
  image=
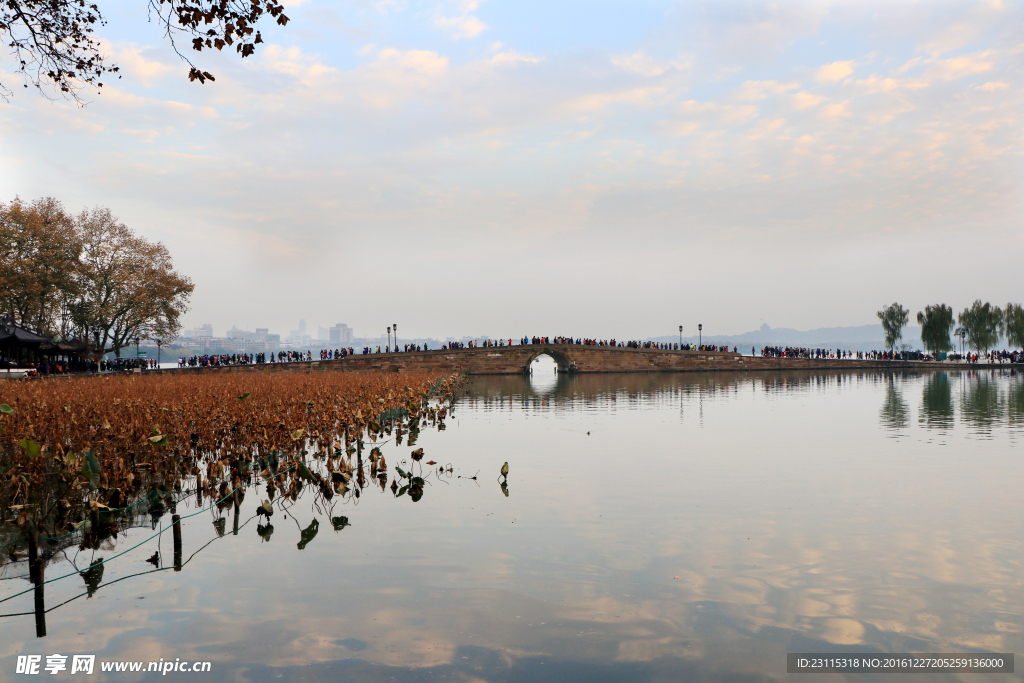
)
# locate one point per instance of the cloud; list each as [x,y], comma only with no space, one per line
[692,115]
[135,65]
[645,65]
[805,100]
[760,90]
[514,57]
[292,61]
[326,17]
[598,101]
[835,109]
[836,71]
[992,86]
[462,24]
[425,62]
[960,67]
[882,84]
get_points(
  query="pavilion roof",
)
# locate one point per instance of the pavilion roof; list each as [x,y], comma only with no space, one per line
[15,335]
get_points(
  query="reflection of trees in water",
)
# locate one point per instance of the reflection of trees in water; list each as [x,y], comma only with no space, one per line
[980,398]
[980,403]
[572,391]
[937,402]
[895,411]
[1015,402]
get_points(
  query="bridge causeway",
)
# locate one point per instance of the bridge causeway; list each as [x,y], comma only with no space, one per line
[516,360]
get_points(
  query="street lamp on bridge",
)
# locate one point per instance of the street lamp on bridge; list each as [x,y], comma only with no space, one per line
[700,344]
[389,339]
[395,327]
[680,336]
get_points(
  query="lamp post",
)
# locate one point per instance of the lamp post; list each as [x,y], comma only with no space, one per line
[389,338]
[700,328]
[680,336]
[395,327]
[159,343]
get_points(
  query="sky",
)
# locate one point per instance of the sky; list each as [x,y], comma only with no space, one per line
[596,169]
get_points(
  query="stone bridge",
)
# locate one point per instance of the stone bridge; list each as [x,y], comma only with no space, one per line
[516,360]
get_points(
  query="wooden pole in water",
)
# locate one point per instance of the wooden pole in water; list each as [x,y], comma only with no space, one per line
[235,530]
[33,554]
[176,521]
[35,568]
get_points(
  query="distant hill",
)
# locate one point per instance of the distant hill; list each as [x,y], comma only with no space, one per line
[859,338]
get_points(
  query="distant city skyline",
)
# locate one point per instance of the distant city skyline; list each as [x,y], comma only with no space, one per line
[856,338]
[524,167]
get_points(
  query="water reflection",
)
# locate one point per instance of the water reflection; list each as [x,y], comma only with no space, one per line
[309,533]
[981,405]
[937,401]
[93,576]
[544,374]
[642,543]
[1015,401]
[895,412]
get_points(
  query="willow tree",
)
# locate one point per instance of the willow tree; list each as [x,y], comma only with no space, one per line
[1013,325]
[936,323]
[981,324]
[894,318]
[128,288]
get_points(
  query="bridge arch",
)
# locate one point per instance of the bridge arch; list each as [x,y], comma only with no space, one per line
[562,360]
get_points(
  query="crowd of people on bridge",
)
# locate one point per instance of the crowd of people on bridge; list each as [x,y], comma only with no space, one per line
[837,354]
[340,353]
[635,344]
[998,357]
[841,354]
[815,354]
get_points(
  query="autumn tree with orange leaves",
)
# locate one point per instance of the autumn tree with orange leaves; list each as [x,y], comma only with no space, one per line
[86,277]
[39,249]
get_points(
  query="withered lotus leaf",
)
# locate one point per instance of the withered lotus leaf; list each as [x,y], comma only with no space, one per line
[216,433]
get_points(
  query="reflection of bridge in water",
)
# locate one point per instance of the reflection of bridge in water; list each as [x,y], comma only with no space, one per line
[515,360]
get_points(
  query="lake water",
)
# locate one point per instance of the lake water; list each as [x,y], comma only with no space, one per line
[655,528]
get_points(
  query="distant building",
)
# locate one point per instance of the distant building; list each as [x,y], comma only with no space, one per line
[263,332]
[341,334]
[247,345]
[235,333]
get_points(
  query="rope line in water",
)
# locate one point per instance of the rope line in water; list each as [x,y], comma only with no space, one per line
[114,557]
[130,576]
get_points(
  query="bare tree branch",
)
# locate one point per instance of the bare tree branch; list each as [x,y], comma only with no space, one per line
[55,46]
